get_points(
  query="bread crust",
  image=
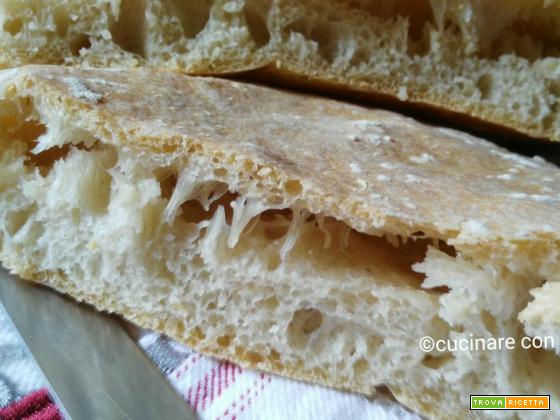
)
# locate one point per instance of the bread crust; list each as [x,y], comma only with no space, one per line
[425,49]
[336,154]
[377,171]
[480,119]
[425,401]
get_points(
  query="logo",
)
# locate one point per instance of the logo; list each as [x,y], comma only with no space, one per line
[510,402]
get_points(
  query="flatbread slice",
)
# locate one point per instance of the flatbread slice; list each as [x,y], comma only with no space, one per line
[294,234]
[496,61]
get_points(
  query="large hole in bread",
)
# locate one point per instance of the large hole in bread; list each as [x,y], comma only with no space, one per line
[255,12]
[13,26]
[129,30]
[184,237]
[62,20]
[285,233]
[79,43]
[418,14]
[304,322]
[528,37]
[193,16]
[530,31]
[305,275]
[327,240]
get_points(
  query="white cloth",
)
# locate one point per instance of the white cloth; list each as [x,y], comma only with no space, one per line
[221,390]
[19,374]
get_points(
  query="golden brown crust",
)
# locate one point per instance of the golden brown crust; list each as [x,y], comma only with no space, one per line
[426,401]
[190,337]
[371,168]
[417,94]
[435,52]
[482,119]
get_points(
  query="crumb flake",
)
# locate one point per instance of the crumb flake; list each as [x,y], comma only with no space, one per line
[80,90]
[264,171]
[422,159]
[402,94]
[540,198]
[365,124]
[520,160]
[370,132]
[465,138]
[355,168]
[505,176]
[361,184]
[474,228]
[387,165]
[232,7]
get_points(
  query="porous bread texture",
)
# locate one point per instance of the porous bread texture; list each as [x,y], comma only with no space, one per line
[494,60]
[541,317]
[229,253]
[166,243]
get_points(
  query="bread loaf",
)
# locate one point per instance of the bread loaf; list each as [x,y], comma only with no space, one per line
[289,233]
[496,61]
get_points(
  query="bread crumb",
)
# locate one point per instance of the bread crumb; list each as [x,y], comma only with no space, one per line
[535,197]
[361,184]
[372,138]
[402,94]
[355,168]
[505,176]
[365,124]
[232,7]
[371,132]
[423,158]
[407,203]
[264,171]
[474,228]
[544,198]
[456,135]
[386,165]
[79,90]
[519,195]
[521,160]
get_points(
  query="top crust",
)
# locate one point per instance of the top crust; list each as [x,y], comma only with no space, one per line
[373,169]
[494,61]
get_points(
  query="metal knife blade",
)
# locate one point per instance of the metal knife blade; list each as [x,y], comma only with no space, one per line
[95,370]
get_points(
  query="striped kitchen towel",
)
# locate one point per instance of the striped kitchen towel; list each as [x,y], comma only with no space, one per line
[23,388]
[220,390]
[36,405]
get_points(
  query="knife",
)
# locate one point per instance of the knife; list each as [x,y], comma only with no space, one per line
[95,370]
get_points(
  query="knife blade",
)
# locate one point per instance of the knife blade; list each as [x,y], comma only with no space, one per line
[93,367]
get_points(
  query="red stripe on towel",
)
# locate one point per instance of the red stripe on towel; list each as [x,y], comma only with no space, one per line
[187,364]
[246,398]
[211,386]
[35,406]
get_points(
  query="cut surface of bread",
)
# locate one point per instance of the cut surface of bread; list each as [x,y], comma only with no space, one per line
[294,234]
[541,318]
[497,61]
